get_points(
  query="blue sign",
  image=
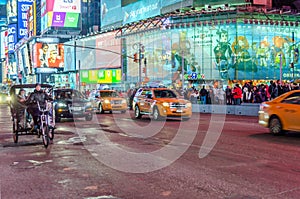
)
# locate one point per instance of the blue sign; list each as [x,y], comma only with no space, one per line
[3,2]
[194,75]
[23,6]
[12,37]
[141,10]
[111,12]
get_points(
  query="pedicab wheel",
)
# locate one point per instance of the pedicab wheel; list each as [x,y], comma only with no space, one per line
[51,133]
[15,131]
[45,137]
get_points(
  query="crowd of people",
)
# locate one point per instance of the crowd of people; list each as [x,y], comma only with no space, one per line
[237,94]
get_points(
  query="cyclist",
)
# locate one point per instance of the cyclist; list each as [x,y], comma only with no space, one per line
[37,96]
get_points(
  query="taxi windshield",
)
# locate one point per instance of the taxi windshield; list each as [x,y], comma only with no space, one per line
[109,94]
[164,94]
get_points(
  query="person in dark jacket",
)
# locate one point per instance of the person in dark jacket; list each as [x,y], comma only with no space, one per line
[38,96]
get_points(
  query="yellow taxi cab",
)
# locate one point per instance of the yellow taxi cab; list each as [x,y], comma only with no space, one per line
[282,113]
[108,100]
[160,103]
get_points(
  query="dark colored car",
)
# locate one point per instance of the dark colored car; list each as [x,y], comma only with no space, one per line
[70,103]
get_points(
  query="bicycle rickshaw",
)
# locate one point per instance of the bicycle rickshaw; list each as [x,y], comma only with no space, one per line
[22,120]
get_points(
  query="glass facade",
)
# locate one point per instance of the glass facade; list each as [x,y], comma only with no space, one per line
[217,51]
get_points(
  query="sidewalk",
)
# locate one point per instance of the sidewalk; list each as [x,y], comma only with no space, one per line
[243,109]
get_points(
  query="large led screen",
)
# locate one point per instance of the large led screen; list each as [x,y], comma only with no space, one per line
[49,55]
[60,13]
[108,51]
[202,3]
[225,51]
[3,2]
[101,76]
[111,12]
[141,10]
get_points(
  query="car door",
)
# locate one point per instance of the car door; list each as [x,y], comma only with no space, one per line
[291,111]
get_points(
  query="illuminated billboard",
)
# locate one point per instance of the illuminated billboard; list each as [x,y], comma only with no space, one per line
[202,3]
[227,51]
[11,11]
[141,10]
[60,13]
[48,55]
[31,18]
[108,53]
[12,37]
[101,76]
[111,12]
[3,2]
[23,6]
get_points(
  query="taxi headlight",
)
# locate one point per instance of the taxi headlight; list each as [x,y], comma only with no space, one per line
[124,101]
[166,104]
[61,105]
[188,105]
[106,101]
[8,98]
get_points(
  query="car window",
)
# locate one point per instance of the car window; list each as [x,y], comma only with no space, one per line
[293,98]
[164,94]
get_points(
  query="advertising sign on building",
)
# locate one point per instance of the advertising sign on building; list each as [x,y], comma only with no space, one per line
[141,10]
[12,37]
[11,11]
[23,6]
[111,12]
[101,76]
[3,44]
[60,13]
[31,18]
[110,56]
[48,55]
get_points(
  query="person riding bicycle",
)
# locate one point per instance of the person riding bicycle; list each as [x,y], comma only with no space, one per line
[38,96]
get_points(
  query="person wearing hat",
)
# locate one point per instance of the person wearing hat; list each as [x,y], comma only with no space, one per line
[37,96]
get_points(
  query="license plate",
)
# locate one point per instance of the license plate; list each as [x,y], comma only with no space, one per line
[75,108]
[179,111]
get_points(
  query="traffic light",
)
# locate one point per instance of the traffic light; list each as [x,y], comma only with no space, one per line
[136,58]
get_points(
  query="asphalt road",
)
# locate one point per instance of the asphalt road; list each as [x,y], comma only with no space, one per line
[113,156]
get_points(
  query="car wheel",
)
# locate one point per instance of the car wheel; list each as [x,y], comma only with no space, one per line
[123,111]
[57,119]
[89,117]
[156,115]
[100,109]
[275,126]
[137,112]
